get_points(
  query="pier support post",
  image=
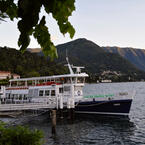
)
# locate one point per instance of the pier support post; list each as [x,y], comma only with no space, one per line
[53,122]
[71,114]
[61,114]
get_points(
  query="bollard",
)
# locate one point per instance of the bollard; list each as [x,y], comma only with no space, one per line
[53,122]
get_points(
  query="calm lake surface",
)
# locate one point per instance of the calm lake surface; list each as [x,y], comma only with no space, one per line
[99,130]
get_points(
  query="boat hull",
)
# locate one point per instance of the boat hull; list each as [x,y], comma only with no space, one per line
[111,107]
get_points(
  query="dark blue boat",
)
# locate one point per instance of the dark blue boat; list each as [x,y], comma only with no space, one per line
[107,107]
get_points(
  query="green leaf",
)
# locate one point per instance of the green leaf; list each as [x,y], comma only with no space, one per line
[43,37]
[61,10]
[9,7]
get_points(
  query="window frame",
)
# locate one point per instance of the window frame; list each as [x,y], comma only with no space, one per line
[40,93]
[47,94]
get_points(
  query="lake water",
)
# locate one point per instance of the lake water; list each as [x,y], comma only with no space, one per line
[100,130]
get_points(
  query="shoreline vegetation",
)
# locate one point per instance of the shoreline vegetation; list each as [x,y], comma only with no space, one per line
[19,135]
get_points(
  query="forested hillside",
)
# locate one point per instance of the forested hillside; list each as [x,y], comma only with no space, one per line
[28,64]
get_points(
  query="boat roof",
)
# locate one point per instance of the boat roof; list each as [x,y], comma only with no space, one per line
[51,77]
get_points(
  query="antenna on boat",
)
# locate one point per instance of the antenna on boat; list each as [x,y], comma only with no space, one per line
[67,56]
[68,64]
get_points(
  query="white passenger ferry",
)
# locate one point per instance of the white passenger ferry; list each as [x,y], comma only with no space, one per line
[61,91]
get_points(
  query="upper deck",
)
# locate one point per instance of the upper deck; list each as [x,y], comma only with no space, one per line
[48,80]
[51,77]
[72,78]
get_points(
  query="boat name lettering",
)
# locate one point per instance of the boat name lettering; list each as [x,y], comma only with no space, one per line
[95,96]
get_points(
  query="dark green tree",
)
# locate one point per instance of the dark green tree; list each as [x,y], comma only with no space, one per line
[29,21]
[19,135]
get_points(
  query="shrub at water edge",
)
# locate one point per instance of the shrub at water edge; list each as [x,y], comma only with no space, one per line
[19,135]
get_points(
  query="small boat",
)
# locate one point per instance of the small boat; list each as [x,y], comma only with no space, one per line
[61,92]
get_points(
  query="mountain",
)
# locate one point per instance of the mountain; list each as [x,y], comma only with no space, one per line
[93,57]
[135,56]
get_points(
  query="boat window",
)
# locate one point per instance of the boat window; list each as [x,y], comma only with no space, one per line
[13,84]
[61,80]
[7,95]
[66,88]
[58,80]
[31,92]
[20,97]
[66,80]
[46,92]
[29,83]
[35,92]
[16,97]
[41,93]
[78,88]
[25,97]
[74,80]
[60,90]
[52,92]
[21,83]
[80,80]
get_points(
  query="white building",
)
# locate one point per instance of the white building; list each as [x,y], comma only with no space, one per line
[8,75]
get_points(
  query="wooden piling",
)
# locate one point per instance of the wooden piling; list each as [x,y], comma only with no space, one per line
[71,114]
[53,122]
[61,114]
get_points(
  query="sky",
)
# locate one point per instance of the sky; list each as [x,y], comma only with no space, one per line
[106,22]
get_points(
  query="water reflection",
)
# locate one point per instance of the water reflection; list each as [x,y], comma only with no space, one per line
[87,129]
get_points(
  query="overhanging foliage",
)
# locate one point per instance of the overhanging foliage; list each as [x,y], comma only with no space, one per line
[30,23]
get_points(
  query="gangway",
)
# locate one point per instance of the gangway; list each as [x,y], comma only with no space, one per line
[25,106]
[56,102]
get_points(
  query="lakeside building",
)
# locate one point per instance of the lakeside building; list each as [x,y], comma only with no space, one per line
[106,81]
[8,75]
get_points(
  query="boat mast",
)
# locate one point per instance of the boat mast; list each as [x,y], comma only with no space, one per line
[71,100]
[69,66]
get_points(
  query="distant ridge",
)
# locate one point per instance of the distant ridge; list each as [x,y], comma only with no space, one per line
[135,56]
[34,50]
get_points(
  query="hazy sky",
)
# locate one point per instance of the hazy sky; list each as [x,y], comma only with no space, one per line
[106,22]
